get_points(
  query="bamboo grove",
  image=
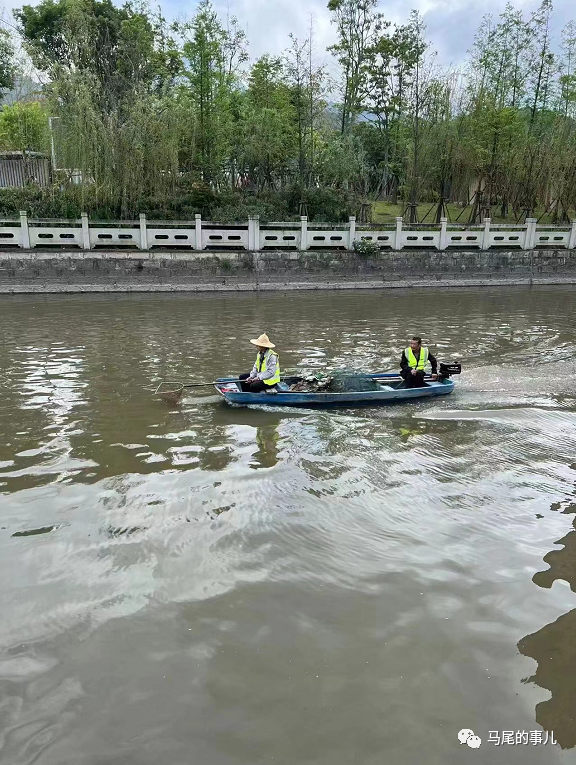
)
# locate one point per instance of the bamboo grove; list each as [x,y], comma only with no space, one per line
[173,119]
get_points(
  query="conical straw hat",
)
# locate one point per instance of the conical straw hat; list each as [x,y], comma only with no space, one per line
[263,341]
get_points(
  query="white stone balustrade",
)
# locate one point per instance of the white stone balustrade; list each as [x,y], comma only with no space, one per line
[201,235]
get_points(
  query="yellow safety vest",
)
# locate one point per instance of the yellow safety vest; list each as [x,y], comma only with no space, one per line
[413,362]
[273,380]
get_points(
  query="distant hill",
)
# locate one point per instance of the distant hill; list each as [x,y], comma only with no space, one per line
[25,89]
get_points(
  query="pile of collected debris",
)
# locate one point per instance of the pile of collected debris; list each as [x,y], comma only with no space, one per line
[341,381]
[312,384]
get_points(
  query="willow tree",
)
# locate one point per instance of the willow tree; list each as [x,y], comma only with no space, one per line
[441,134]
[122,49]
[342,162]
[109,74]
[24,127]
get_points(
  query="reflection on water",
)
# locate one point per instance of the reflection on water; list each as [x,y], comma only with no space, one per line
[267,439]
[244,586]
[554,647]
[554,650]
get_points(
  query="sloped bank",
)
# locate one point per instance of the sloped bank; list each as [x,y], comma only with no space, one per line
[54,271]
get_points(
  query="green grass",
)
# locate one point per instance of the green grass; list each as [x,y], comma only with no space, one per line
[385,212]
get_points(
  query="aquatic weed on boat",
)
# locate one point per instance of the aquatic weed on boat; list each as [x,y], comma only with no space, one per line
[340,381]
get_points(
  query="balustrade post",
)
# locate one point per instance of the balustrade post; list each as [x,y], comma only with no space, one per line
[256,227]
[443,233]
[530,235]
[398,237]
[253,233]
[352,231]
[572,240]
[24,232]
[486,234]
[199,245]
[85,231]
[303,232]
[143,232]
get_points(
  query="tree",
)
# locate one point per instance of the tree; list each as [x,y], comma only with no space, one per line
[168,119]
[493,128]
[119,49]
[7,65]
[540,79]
[419,93]
[567,70]
[342,161]
[269,129]
[541,69]
[391,65]
[24,127]
[209,72]
[306,82]
[358,25]
[110,69]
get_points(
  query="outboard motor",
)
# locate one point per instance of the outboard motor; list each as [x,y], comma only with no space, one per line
[447,370]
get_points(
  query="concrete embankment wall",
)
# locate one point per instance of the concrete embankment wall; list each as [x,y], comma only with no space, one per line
[38,271]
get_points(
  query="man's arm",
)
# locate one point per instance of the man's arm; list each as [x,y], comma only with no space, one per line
[403,362]
[433,362]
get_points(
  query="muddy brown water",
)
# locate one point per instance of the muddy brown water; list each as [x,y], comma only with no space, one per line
[222,586]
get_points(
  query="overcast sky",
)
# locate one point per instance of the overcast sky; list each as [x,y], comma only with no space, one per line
[451,24]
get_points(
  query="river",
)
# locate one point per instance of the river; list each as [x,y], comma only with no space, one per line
[211,585]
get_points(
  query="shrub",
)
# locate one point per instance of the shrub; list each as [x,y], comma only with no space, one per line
[67,200]
[238,207]
[323,205]
[365,248]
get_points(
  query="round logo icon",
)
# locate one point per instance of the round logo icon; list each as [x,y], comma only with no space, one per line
[467,736]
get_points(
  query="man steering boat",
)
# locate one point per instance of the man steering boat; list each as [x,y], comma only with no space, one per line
[413,363]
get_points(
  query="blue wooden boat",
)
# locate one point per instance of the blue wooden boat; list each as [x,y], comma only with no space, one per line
[391,391]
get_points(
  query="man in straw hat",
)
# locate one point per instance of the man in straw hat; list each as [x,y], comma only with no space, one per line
[265,374]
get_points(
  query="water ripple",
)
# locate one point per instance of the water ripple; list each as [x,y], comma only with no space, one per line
[313,585]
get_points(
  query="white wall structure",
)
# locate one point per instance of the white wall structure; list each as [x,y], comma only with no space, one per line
[201,235]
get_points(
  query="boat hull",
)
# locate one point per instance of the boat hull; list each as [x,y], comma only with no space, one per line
[387,395]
